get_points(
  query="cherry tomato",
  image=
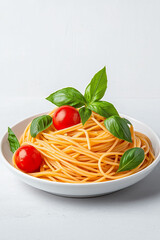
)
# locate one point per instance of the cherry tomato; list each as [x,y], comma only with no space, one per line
[65,116]
[27,158]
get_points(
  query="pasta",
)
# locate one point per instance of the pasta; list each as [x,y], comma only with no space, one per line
[84,154]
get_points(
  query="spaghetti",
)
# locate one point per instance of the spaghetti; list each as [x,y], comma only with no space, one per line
[84,154]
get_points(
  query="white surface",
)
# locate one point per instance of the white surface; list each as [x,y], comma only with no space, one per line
[46,45]
[80,190]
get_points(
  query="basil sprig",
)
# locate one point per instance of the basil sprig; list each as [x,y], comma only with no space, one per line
[118,127]
[87,103]
[131,159]
[13,141]
[90,101]
[39,124]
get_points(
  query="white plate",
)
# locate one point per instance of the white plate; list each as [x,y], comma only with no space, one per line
[86,189]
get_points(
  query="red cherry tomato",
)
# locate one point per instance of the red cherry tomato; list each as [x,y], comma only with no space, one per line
[27,158]
[65,116]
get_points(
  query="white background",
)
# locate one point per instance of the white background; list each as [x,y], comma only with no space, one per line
[46,45]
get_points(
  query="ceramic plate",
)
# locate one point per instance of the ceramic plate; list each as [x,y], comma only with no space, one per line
[74,189]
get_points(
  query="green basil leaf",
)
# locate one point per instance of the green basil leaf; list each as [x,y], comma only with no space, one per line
[39,124]
[131,159]
[67,96]
[127,121]
[85,114]
[118,127]
[103,108]
[97,87]
[13,141]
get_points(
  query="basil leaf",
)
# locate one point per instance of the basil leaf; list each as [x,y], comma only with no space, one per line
[97,87]
[103,108]
[85,114]
[131,159]
[118,127]
[67,96]
[13,141]
[127,121]
[39,124]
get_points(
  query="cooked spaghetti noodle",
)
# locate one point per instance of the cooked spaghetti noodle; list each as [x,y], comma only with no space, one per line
[84,154]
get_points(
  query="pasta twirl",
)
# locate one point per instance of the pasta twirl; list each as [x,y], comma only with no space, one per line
[84,154]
